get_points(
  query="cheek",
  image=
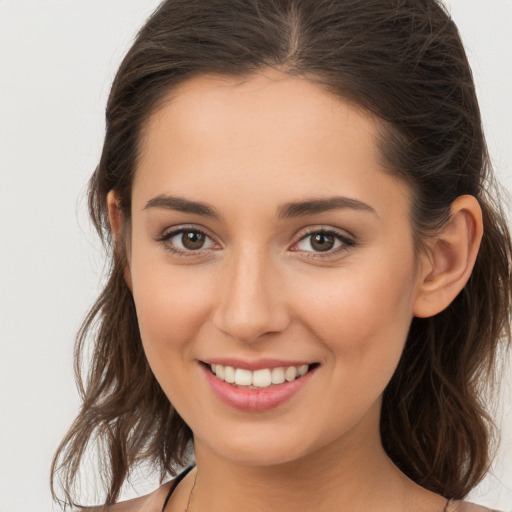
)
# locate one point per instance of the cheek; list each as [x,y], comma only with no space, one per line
[361,317]
[171,306]
[363,324]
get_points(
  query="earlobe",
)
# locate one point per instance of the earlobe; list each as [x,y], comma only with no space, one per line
[447,267]
[114,215]
[116,227]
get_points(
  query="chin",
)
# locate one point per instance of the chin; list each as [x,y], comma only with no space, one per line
[269,445]
[259,457]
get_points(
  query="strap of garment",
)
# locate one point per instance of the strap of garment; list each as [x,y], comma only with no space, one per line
[182,475]
[175,483]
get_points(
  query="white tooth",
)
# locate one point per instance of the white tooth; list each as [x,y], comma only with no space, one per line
[262,378]
[243,377]
[229,374]
[278,375]
[219,371]
[302,370]
[290,373]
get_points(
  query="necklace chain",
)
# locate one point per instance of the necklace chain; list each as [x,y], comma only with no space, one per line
[445,509]
[191,493]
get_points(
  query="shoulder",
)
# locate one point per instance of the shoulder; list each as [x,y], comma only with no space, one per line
[465,506]
[152,502]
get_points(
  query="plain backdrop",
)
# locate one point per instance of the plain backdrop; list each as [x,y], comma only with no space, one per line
[57,60]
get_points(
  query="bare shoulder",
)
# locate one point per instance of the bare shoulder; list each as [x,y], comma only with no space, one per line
[152,502]
[465,506]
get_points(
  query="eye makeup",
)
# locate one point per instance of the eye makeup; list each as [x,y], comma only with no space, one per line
[321,242]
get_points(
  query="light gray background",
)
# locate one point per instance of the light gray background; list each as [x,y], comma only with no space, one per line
[57,60]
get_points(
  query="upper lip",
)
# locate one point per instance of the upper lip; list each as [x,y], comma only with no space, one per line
[255,364]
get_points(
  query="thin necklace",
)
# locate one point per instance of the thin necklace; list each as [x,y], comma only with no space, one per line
[445,509]
[191,493]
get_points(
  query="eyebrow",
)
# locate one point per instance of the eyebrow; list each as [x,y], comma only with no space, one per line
[181,204]
[286,211]
[312,206]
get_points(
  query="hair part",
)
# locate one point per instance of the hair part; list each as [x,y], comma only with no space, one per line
[401,60]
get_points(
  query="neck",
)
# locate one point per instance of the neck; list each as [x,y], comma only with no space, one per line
[353,474]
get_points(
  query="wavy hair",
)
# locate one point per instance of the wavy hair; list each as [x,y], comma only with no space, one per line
[402,60]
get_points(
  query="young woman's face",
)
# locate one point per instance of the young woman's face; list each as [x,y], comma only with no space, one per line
[267,240]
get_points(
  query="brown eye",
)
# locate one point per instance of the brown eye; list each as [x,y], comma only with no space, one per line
[322,242]
[186,241]
[192,240]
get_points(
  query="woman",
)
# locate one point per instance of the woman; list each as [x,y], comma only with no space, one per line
[310,273]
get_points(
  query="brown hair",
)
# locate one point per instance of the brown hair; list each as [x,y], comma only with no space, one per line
[403,60]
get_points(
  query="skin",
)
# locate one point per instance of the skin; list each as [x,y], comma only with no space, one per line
[258,288]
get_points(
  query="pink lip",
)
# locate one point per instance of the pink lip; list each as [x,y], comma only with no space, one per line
[255,400]
[257,364]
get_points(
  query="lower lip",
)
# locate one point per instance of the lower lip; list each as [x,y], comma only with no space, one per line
[255,399]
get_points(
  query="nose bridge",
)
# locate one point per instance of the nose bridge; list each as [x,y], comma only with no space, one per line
[250,302]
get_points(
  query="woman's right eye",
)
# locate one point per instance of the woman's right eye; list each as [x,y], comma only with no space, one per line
[186,241]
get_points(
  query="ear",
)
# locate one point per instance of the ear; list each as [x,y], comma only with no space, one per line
[115,217]
[449,260]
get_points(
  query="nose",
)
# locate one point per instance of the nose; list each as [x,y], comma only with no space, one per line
[251,298]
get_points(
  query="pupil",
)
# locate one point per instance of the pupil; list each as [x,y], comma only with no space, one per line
[321,242]
[192,240]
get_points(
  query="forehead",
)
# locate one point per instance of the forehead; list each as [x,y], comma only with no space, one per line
[257,107]
[265,90]
[265,135]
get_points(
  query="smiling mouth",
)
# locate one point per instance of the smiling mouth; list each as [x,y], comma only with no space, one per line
[259,379]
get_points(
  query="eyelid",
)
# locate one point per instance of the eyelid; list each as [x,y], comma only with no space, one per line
[173,231]
[347,241]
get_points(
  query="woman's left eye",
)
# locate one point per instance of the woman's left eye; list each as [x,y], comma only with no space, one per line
[186,241]
[323,241]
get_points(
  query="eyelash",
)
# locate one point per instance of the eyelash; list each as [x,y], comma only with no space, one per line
[345,241]
[164,239]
